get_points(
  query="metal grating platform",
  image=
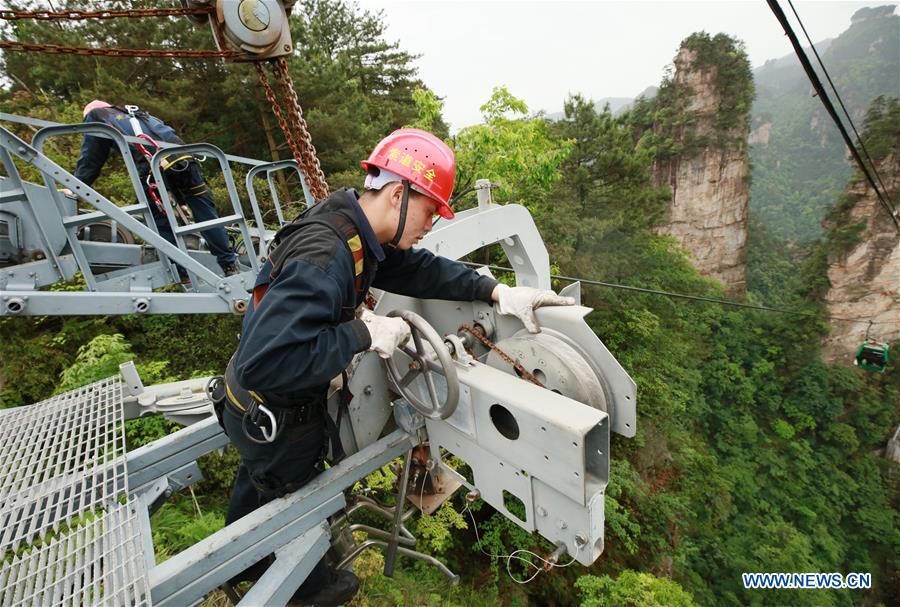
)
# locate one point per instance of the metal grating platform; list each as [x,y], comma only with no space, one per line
[69,531]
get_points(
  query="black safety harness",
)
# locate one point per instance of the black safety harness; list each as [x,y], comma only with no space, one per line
[172,163]
[271,413]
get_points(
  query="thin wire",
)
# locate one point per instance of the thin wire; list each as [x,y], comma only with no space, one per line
[723,302]
[829,107]
[510,557]
[859,139]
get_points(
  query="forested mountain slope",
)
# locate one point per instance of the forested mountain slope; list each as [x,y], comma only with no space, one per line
[863,245]
[799,160]
[696,126]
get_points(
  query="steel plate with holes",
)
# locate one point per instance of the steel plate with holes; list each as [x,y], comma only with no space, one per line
[71,533]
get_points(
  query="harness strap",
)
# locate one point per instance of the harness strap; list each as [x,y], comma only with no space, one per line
[404,207]
[348,234]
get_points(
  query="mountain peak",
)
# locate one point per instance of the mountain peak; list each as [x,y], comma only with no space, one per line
[872,12]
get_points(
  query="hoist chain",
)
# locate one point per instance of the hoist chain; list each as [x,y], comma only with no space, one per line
[86,51]
[314,175]
[522,371]
[130,13]
[297,133]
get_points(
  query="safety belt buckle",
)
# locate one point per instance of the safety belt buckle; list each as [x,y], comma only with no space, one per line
[252,412]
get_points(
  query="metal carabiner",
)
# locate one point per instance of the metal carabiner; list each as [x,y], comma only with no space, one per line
[252,413]
[269,438]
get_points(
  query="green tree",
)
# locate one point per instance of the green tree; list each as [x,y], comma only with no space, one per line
[511,149]
[631,589]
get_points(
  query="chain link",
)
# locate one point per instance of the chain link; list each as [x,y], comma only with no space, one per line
[522,371]
[282,121]
[76,15]
[297,133]
[86,51]
[314,175]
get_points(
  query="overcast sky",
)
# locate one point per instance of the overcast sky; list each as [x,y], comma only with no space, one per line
[542,51]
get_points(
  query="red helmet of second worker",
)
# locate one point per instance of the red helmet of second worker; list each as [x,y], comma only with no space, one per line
[422,159]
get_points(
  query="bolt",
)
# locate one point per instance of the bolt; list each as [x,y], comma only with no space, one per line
[473,495]
[580,541]
[287,48]
[367,390]
[542,511]
[430,464]
[21,149]
[562,524]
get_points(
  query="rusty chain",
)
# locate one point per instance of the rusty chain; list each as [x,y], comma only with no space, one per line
[297,134]
[77,15]
[314,175]
[279,115]
[522,371]
[87,51]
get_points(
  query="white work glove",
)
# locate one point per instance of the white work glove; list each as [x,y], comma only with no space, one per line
[68,193]
[521,302]
[388,333]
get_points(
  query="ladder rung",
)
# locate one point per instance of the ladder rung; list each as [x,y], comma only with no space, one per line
[78,220]
[205,225]
[12,195]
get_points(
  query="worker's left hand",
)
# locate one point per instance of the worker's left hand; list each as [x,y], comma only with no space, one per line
[521,302]
[68,193]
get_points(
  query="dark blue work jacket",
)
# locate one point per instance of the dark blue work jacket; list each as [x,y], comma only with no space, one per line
[298,337]
[95,150]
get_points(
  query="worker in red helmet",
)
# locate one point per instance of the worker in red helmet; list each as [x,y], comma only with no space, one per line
[306,321]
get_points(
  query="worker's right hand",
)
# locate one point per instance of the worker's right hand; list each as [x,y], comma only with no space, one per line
[387,333]
[68,193]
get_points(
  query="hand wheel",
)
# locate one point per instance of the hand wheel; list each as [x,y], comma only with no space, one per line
[420,365]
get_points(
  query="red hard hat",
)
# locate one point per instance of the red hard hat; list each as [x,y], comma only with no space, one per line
[422,159]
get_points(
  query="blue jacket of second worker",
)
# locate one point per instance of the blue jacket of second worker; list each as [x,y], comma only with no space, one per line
[297,337]
[95,150]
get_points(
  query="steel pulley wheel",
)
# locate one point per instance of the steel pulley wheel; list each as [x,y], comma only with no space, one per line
[423,364]
[102,231]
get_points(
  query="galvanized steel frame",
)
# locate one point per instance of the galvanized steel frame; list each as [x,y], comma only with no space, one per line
[131,289]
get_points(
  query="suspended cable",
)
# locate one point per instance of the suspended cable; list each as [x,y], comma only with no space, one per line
[837,95]
[829,107]
[724,302]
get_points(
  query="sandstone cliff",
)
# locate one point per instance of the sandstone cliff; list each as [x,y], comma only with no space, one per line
[865,281]
[709,175]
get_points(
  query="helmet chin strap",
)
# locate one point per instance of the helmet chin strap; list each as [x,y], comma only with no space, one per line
[404,206]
